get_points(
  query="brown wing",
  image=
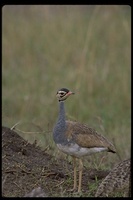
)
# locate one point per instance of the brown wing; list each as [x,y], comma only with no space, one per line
[87,137]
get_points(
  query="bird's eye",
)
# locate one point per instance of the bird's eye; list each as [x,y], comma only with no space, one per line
[62,93]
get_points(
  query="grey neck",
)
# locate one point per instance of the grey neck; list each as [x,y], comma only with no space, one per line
[61,116]
[60,126]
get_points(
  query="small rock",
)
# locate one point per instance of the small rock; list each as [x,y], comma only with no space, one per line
[37,192]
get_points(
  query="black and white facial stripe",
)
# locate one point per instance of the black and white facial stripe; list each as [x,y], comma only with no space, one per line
[63,93]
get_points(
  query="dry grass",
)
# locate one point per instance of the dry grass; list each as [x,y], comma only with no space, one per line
[84,48]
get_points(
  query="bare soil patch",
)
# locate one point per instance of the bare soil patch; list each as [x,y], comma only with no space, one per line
[26,167]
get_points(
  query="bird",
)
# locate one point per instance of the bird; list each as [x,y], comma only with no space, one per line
[77,139]
[118,180]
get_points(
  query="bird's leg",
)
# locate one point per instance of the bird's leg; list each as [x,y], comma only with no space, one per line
[75,176]
[80,174]
[75,173]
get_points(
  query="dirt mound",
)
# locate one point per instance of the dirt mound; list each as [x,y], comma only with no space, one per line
[26,168]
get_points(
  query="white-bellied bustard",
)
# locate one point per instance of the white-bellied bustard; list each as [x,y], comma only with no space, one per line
[117,181]
[76,139]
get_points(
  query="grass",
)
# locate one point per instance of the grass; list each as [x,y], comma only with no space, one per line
[84,48]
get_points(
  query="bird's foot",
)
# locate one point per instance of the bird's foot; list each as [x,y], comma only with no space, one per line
[75,192]
[72,190]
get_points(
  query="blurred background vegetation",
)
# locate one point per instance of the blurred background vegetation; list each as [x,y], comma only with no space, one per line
[84,48]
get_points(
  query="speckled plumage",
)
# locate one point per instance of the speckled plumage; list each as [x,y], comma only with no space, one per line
[86,137]
[118,180]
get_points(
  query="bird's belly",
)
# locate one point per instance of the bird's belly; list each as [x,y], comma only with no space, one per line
[77,151]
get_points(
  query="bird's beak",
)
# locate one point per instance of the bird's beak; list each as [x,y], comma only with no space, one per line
[69,93]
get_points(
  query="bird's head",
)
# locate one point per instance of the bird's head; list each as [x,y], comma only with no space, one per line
[63,94]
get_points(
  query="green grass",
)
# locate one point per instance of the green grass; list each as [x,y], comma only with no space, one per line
[84,48]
